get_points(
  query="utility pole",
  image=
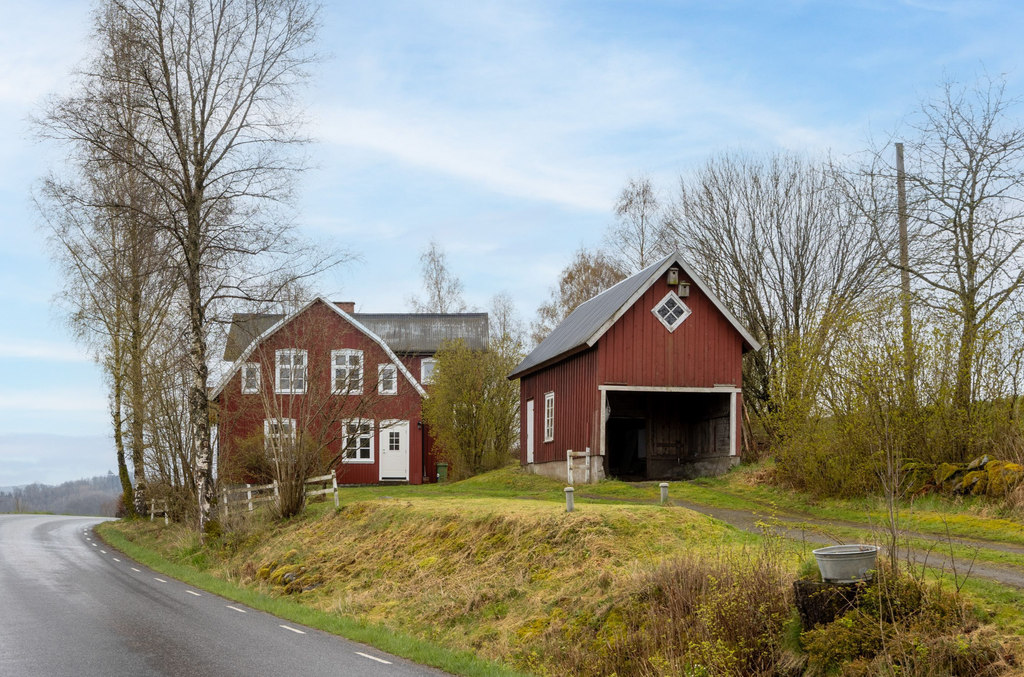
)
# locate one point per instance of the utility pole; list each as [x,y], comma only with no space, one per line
[908,334]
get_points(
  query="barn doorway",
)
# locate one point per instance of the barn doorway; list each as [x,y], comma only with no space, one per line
[657,435]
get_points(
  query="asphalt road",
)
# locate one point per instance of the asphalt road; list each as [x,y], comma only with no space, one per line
[69,605]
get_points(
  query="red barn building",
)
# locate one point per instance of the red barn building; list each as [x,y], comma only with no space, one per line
[349,384]
[644,379]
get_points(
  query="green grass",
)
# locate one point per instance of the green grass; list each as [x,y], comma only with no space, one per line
[383,638]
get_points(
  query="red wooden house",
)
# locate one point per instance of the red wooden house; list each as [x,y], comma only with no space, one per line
[643,381]
[349,384]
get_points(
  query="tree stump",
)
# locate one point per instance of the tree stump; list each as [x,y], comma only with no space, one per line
[821,603]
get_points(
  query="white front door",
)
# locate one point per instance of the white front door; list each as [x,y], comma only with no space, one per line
[529,431]
[394,450]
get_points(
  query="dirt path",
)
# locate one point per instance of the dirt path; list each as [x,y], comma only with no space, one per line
[814,532]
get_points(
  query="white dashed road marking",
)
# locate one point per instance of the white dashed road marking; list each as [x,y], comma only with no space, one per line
[159,579]
[136,570]
[235,608]
[300,632]
[373,658]
[193,593]
[103,551]
[94,545]
[116,559]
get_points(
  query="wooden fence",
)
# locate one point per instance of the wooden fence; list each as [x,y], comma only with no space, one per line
[262,493]
[153,511]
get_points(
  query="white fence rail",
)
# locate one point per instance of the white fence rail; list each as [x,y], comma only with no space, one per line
[571,466]
[261,493]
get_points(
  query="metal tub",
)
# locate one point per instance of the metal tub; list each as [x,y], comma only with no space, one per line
[846,563]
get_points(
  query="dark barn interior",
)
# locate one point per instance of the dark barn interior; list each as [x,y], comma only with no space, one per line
[667,435]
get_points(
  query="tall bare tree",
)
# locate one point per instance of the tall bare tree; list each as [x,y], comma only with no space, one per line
[588,274]
[638,236]
[442,287]
[215,84]
[777,240]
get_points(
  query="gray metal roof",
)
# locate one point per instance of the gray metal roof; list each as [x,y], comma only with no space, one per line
[402,332]
[425,332]
[585,325]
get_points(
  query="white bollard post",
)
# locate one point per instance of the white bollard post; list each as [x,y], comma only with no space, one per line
[664,492]
[334,482]
[248,495]
[225,504]
[569,503]
[152,508]
[167,520]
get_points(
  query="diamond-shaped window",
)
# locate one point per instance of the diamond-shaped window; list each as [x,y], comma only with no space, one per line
[671,311]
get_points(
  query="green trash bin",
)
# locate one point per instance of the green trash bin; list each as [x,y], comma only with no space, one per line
[442,472]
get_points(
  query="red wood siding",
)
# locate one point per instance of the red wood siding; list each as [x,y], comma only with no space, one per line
[639,351]
[320,330]
[577,404]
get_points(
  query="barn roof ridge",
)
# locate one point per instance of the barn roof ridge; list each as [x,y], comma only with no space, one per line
[585,325]
[285,319]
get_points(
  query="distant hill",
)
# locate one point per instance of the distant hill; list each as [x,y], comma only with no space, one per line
[94,496]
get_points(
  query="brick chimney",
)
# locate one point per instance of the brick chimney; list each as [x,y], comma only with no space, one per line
[347,306]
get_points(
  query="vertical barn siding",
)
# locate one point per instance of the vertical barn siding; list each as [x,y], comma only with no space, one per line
[577,403]
[639,351]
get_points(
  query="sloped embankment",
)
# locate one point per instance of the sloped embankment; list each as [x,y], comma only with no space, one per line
[517,581]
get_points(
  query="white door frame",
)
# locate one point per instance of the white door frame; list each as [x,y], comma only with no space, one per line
[530,421]
[383,447]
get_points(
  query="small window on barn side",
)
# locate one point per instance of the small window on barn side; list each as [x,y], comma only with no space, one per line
[671,311]
[427,370]
[549,417]
[387,379]
[357,444]
[250,378]
[291,371]
[347,371]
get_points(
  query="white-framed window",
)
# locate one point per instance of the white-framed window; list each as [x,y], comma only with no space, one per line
[357,443]
[291,371]
[347,372]
[671,311]
[427,370]
[250,378]
[280,429]
[387,379]
[549,417]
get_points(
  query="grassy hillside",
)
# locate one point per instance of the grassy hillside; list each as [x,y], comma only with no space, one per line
[494,566]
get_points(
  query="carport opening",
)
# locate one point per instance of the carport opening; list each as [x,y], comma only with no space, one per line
[659,435]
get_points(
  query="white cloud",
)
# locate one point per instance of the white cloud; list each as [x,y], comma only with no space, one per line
[52,459]
[52,352]
[52,400]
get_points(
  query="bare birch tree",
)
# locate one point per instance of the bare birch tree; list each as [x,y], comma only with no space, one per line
[215,84]
[442,287]
[638,236]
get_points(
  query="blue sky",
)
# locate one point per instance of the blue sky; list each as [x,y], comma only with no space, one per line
[502,129]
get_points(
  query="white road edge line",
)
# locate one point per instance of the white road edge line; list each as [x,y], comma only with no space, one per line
[159,579]
[300,632]
[372,658]
[193,593]
[235,608]
[134,569]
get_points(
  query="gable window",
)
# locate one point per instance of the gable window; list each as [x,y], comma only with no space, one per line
[347,371]
[549,417]
[250,378]
[357,444]
[279,432]
[427,370]
[387,379]
[671,311]
[291,371]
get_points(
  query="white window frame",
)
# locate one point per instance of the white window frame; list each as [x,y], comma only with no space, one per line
[245,368]
[293,353]
[381,368]
[336,388]
[682,318]
[290,422]
[549,416]
[423,376]
[345,439]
